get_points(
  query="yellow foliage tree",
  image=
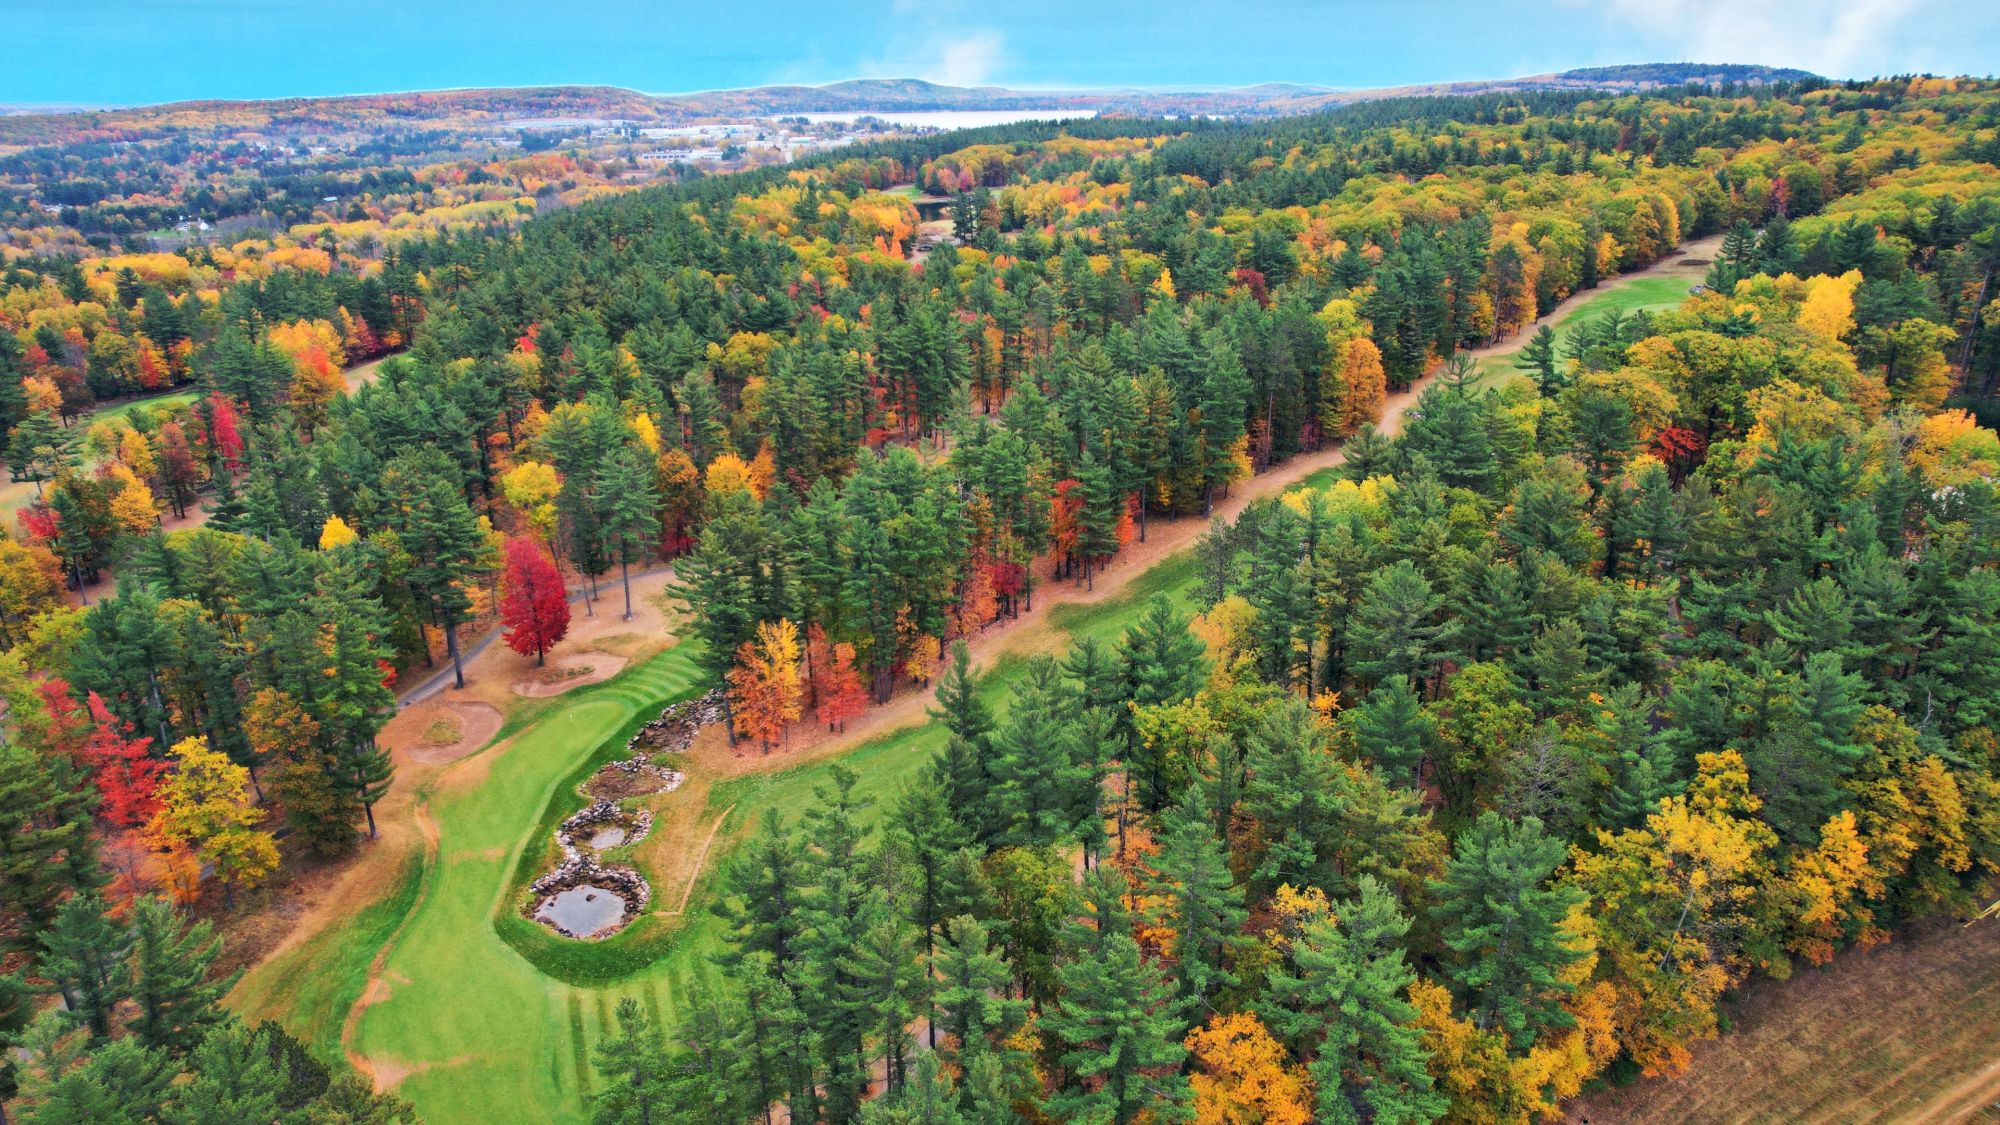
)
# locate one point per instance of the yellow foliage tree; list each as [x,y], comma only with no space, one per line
[728,474]
[1821,892]
[1677,906]
[31,583]
[205,810]
[765,692]
[133,508]
[1953,449]
[531,487]
[1828,308]
[1363,385]
[1243,1076]
[335,533]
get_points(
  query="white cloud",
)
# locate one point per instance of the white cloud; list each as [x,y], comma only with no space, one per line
[969,61]
[952,58]
[1837,38]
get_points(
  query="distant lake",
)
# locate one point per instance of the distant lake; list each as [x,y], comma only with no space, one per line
[949,118]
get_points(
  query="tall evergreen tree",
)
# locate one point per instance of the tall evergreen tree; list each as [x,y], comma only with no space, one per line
[437,531]
[1341,997]
[178,1000]
[635,1068]
[629,509]
[1504,925]
[1205,904]
[84,954]
[1120,1029]
[1392,730]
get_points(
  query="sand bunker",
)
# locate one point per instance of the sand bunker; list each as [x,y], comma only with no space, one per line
[572,670]
[419,731]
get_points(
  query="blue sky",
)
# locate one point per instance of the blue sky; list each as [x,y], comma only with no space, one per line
[137,51]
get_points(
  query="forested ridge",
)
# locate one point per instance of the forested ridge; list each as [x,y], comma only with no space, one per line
[1476,775]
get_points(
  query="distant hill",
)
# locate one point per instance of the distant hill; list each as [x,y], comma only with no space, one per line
[558,104]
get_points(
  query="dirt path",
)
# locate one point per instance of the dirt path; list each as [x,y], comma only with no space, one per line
[1977,1096]
[700,860]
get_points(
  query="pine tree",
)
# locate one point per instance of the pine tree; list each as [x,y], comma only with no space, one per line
[178,1002]
[1120,1030]
[1206,905]
[635,1068]
[838,905]
[1291,797]
[928,1098]
[1392,730]
[46,847]
[1367,454]
[234,1079]
[1504,925]
[629,507]
[1538,357]
[730,581]
[761,899]
[1034,760]
[932,835]
[773,1042]
[1103,507]
[892,984]
[1396,629]
[67,1083]
[1341,994]
[964,766]
[974,1000]
[84,955]
[437,530]
[1164,662]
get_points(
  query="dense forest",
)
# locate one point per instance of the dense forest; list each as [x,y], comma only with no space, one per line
[1479,774]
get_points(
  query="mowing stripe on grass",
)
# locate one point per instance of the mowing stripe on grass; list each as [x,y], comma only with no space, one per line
[577,1053]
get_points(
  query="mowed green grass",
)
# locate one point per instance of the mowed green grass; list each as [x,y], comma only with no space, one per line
[465,1026]
[1662,291]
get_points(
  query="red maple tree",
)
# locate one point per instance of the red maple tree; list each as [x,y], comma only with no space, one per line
[126,773]
[223,435]
[64,725]
[533,603]
[839,694]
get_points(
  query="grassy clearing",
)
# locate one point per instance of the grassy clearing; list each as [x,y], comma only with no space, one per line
[1651,293]
[15,495]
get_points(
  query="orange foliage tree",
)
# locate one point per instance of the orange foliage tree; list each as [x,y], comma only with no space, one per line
[765,694]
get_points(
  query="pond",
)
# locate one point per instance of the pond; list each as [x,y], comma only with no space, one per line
[608,837]
[584,910]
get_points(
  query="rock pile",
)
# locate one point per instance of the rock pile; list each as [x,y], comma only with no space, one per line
[676,727]
[601,814]
[606,789]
